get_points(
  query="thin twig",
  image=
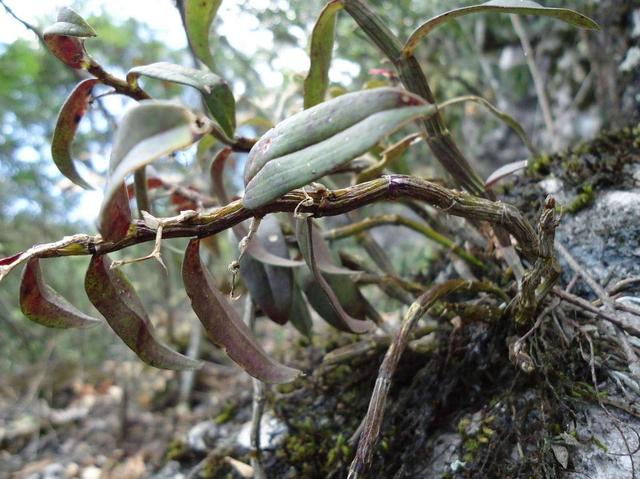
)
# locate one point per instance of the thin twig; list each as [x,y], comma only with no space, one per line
[538,82]
[399,220]
[593,284]
[26,24]
[587,306]
[259,399]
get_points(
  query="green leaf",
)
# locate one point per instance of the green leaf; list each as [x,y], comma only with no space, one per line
[322,39]
[223,325]
[324,296]
[321,122]
[147,132]
[74,108]
[43,305]
[522,7]
[215,90]
[300,167]
[198,17]
[112,294]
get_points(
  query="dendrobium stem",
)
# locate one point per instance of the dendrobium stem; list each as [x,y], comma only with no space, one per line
[325,203]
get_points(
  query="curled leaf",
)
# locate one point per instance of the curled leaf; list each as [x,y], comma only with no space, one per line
[336,314]
[150,130]
[521,7]
[43,305]
[198,17]
[112,294]
[322,38]
[223,325]
[74,108]
[215,90]
[319,252]
[115,216]
[65,38]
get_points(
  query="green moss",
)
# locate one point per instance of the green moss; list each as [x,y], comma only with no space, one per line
[228,412]
[584,199]
[176,450]
[540,165]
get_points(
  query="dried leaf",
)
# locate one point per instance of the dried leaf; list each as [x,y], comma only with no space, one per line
[223,325]
[561,454]
[150,130]
[115,217]
[43,305]
[74,108]
[215,90]
[503,172]
[322,38]
[198,17]
[521,7]
[341,319]
[112,294]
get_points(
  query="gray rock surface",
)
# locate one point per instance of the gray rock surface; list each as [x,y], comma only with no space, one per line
[605,238]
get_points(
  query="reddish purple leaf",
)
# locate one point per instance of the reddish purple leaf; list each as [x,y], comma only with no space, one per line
[223,325]
[43,305]
[115,216]
[10,259]
[64,38]
[69,118]
[113,295]
[68,49]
